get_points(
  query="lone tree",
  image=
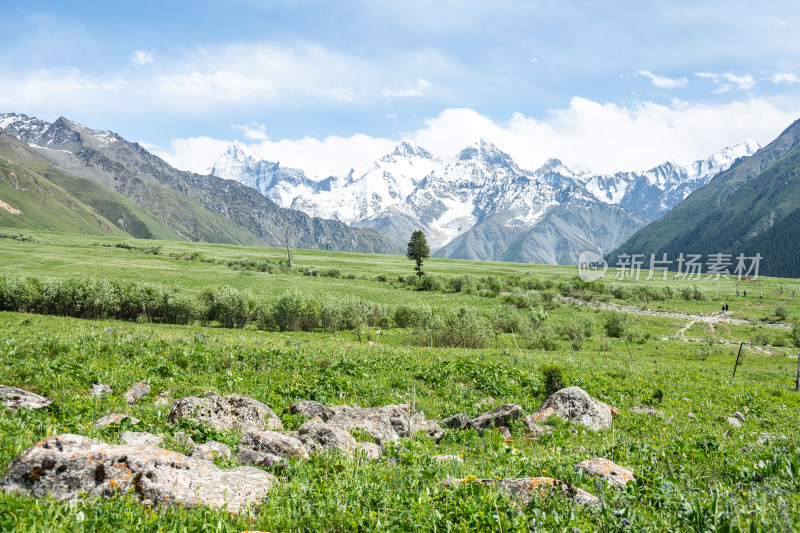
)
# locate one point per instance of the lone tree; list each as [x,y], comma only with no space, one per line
[418,250]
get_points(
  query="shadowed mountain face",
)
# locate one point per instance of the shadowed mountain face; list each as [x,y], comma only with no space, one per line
[750,208]
[193,207]
[480,204]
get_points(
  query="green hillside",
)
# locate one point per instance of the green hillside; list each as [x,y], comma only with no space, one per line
[747,209]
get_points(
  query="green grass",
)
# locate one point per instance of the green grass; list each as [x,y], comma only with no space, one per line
[693,474]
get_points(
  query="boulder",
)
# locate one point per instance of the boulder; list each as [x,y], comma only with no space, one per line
[616,475]
[327,437]
[235,411]
[733,421]
[430,427]
[211,449]
[371,450]
[575,404]
[384,424]
[113,418]
[183,439]
[246,456]
[14,398]
[311,409]
[137,392]
[71,467]
[140,437]
[535,429]
[458,421]
[100,389]
[524,489]
[499,416]
[739,416]
[274,443]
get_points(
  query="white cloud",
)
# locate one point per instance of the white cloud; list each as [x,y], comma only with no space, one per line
[418,89]
[141,57]
[663,81]
[604,137]
[784,77]
[725,80]
[254,130]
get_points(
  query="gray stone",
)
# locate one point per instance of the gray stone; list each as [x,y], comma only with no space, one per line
[14,398]
[328,437]
[575,404]
[499,416]
[235,411]
[458,421]
[72,467]
[691,415]
[430,427]
[505,432]
[274,443]
[384,424]
[646,410]
[208,450]
[734,422]
[137,392]
[616,475]
[535,429]
[140,437]
[100,389]
[525,489]
[183,439]
[371,450]
[113,418]
[739,416]
[246,456]
[311,409]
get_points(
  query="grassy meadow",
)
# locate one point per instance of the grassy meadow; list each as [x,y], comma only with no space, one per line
[532,329]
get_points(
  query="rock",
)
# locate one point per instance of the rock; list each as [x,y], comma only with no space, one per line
[246,456]
[734,422]
[613,473]
[445,458]
[311,409]
[646,410]
[458,421]
[14,398]
[535,429]
[72,467]
[140,437]
[573,403]
[235,411]
[524,489]
[341,408]
[499,416]
[100,389]
[764,438]
[113,418]
[328,437]
[211,449]
[371,450]
[384,424]
[691,415]
[137,392]
[430,427]
[274,443]
[739,416]
[505,432]
[485,401]
[183,439]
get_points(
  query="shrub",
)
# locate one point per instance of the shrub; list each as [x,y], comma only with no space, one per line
[794,334]
[553,379]
[459,283]
[19,294]
[464,328]
[295,311]
[407,316]
[230,307]
[574,332]
[429,283]
[507,319]
[544,338]
[781,311]
[615,324]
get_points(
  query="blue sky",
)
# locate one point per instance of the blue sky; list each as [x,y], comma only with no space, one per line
[326,85]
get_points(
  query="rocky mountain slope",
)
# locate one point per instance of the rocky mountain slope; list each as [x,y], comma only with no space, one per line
[194,207]
[480,204]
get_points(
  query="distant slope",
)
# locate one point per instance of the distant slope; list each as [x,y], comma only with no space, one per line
[752,207]
[28,200]
[116,208]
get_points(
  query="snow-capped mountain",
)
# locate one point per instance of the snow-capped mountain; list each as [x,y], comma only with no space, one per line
[480,204]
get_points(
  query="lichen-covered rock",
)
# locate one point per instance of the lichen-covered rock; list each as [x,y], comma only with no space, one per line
[274,443]
[184,439]
[113,418]
[14,398]
[211,449]
[140,437]
[235,411]
[535,430]
[311,409]
[739,415]
[137,392]
[733,421]
[328,437]
[384,424]
[575,404]
[371,450]
[430,427]
[100,389]
[616,475]
[525,489]
[499,416]
[458,421]
[246,456]
[67,466]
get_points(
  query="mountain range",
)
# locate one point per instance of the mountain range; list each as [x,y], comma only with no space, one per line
[141,195]
[480,204]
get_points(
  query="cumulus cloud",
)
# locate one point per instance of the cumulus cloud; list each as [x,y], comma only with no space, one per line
[664,82]
[141,57]
[784,77]
[254,130]
[603,137]
[728,81]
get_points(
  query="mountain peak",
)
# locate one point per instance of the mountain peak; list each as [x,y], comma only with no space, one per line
[487,152]
[238,150]
[410,149]
[550,165]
